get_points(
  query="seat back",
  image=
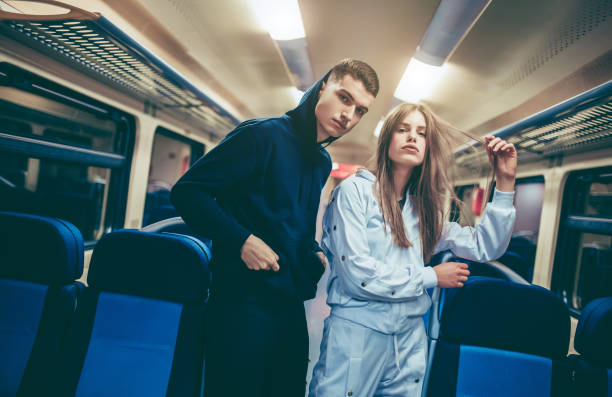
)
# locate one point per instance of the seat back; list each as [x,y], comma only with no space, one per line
[39,260]
[139,327]
[592,370]
[500,338]
[178,226]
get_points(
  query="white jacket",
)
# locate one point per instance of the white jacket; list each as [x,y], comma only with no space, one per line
[378,285]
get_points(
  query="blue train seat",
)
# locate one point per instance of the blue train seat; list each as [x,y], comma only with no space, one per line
[178,226]
[39,260]
[500,338]
[592,369]
[520,256]
[139,325]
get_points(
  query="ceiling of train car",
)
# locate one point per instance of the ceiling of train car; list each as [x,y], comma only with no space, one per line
[517,49]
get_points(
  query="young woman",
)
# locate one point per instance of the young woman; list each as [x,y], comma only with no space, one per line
[379,229]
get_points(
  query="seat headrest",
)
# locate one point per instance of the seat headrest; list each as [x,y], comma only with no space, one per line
[505,315]
[170,267]
[594,332]
[39,249]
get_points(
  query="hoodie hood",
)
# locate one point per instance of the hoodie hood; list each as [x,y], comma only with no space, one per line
[303,116]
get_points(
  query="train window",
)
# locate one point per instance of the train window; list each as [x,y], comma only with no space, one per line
[56,122]
[528,199]
[529,196]
[62,154]
[598,201]
[171,156]
[583,260]
[464,217]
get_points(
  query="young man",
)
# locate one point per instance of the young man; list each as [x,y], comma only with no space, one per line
[256,195]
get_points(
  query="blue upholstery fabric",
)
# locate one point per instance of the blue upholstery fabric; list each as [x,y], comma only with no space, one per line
[593,338]
[131,347]
[589,379]
[593,368]
[58,311]
[444,370]
[21,305]
[79,334]
[499,373]
[39,260]
[500,338]
[39,249]
[508,316]
[160,266]
[139,327]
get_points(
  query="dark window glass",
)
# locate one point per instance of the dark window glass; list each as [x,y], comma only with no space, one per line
[62,154]
[598,200]
[50,121]
[74,192]
[171,157]
[593,273]
[583,260]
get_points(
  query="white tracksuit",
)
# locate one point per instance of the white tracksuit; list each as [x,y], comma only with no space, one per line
[374,341]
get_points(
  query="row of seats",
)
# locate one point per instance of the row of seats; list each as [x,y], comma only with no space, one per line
[501,338]
[136,329]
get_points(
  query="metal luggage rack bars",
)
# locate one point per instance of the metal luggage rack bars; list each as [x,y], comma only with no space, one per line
[102,50]
[581,123]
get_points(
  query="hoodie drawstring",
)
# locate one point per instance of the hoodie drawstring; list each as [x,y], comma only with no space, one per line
[396,352]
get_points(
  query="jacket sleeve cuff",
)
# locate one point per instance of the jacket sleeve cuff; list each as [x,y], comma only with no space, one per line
[503,199]
[238,236]
[430,279]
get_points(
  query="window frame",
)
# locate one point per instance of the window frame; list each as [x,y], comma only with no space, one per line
[119,162]
[197,151]
[572,224]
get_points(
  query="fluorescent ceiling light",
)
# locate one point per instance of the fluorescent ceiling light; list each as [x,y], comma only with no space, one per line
[419,81]
[379,127]
[451,23]
[295,53]
[281,18]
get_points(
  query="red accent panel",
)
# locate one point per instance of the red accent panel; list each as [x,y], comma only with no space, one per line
[477,201]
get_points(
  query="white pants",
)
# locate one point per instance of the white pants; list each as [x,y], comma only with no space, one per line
[360,362]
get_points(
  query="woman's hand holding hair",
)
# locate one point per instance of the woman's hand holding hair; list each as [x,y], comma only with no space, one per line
[451,274]
[502,156]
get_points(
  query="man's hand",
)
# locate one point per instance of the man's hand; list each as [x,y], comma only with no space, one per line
[451,274]
[257,255]
[322,258]
[502,156]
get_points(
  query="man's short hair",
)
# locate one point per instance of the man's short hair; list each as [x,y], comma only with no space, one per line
[358,70]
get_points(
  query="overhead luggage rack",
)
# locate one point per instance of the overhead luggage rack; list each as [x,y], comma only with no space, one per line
[92,44]
[581,123]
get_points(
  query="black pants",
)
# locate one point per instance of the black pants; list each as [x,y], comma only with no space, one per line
[256,349]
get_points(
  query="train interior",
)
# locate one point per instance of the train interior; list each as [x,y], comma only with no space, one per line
[104,104]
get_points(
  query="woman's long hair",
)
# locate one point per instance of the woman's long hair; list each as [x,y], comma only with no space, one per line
[429,184]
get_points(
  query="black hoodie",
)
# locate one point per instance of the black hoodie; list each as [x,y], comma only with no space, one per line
[265,178]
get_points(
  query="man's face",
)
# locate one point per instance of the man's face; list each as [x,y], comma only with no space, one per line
[341,105]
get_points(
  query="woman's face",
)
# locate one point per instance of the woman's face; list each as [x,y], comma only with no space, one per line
[408,143]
